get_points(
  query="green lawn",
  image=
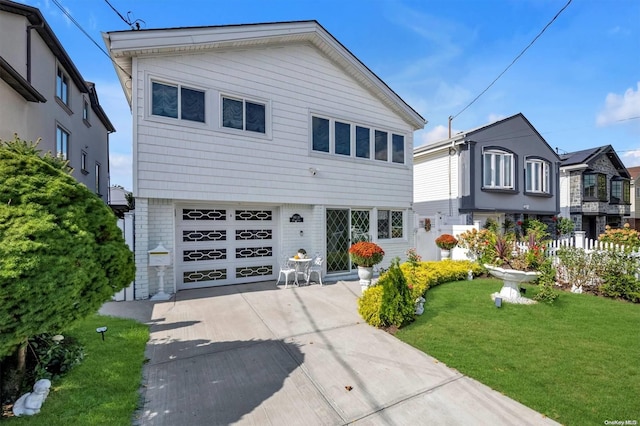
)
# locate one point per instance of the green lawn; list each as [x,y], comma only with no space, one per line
[576,361]
[104,389]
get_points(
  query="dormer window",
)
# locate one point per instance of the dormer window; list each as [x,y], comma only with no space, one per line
[497,169]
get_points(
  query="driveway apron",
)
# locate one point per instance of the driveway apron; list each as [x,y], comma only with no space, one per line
[265,355]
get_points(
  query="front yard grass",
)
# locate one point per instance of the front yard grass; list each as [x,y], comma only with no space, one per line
[104,388]
[576,361]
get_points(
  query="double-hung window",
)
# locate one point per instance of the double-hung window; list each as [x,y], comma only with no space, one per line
[62,86]
[498,170]
[62,143]
[390,224]
[177,101]
[244,114]
[537,176]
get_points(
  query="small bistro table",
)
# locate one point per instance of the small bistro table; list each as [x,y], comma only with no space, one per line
[302,267]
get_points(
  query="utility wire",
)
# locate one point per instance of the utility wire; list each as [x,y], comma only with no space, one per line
[514,61]
[135,25]
[72,19]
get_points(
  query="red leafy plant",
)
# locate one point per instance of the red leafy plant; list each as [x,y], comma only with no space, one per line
[366,253]
[446,241]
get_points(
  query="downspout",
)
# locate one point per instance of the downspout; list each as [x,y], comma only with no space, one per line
[452,151]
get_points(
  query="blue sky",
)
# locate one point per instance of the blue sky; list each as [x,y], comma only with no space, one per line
[578,84]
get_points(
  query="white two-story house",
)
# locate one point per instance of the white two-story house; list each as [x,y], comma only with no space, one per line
[252,141]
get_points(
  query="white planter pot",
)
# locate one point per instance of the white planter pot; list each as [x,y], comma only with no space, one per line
[511,280]
[445,254]
[365,273]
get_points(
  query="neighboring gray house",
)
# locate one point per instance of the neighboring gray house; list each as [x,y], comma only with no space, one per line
[44,96]
[503,170]
[595,189]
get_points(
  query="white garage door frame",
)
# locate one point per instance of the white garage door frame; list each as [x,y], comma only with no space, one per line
[225,244]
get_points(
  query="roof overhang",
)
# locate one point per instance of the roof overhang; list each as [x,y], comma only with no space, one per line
[123,46]
[19,83]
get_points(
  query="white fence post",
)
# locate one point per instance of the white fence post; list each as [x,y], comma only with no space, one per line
[580,239]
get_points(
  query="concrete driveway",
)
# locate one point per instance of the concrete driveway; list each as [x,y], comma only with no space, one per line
[265,355]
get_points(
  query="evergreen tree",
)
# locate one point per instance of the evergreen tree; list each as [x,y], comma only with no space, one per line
[62,254]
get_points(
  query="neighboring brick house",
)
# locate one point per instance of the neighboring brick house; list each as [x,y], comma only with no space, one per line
[44,97]
[634,218]
[594,189]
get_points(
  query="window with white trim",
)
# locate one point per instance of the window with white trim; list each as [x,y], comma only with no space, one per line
[244,114]
[177,101]
[62,143]
[537,176]
[390,224]
[497,170]
[333,136]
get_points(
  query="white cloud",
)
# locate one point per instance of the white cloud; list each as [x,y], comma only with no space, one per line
[632,158]
[493,117]
[120,170]
[619,108]
[437,133]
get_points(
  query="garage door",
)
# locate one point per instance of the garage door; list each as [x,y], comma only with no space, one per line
[224,245]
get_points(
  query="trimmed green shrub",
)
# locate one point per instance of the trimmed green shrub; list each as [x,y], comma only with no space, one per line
[419,277]
[397,307]
[369,305]
[546,282]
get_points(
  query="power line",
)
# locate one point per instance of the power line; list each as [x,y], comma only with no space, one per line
[72,19]
[135,25]
[514,61]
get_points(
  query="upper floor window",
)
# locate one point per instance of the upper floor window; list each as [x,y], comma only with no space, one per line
[62,143]
[243,114]
[498,169]
[390,224]
[173,101]
[85,111]
[594,187]
[83,163]
[98,167]
[62,86]
[620,191]
[537,176]
[351,140]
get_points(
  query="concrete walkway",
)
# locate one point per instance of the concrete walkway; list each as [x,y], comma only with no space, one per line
[265,355]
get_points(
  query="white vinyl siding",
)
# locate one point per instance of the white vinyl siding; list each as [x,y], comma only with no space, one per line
[207,163]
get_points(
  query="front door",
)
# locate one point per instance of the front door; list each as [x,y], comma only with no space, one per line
[344,227]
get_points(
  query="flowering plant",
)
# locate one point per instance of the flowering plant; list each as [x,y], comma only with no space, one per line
[446,241]
[366,253]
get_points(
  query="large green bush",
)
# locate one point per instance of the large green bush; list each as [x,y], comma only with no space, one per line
[62,254]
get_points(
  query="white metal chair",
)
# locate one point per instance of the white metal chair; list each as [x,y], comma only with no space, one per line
[316,266]
[286,269]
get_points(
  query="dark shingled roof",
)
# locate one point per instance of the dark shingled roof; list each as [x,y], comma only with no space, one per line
[586,156]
